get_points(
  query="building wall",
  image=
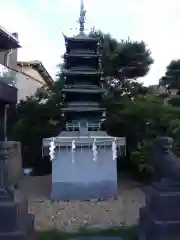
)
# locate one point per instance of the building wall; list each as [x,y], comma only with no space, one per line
[3,57]
[11,60]
[26,85]
[85,178]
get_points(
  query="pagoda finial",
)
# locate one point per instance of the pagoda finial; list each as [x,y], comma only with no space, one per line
[82,17]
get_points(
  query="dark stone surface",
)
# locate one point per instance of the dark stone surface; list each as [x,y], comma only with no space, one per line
[160,218]
[157,202]
[26,232]
[152,229]
[78,191]
[6,192]
[166,163]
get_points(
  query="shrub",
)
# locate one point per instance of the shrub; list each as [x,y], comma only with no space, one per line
[140,161]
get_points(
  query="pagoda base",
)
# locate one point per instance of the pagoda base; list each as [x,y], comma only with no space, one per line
[84,191]
[80,174]
[83,179]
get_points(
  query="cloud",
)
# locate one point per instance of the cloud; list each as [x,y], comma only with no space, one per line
[40,24]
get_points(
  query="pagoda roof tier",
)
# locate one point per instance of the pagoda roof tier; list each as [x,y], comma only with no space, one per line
[81,90]
[81,55]
[77,104]
[81,72]
[81,38]
[83,109]
[82,86]
[81,51]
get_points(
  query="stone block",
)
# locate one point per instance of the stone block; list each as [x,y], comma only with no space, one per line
[163,206]
[27,233]
[13,214]
[14,162]
[15,221]
[151,229]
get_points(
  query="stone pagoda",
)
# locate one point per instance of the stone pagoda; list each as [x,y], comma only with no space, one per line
[83,88]
[83,155]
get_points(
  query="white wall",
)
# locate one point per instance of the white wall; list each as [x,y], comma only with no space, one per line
[27,86]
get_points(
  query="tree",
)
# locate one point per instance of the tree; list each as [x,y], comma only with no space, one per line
[38,117]
[140,120]
[123,60]
[171,78]
[108,48]
[132,60]
[8,76]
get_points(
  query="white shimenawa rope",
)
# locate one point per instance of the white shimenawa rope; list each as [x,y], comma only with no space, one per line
[94,150]
[73,148]
[51,149]
[80,141]
[114,149]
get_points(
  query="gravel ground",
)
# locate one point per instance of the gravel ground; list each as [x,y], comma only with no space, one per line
[72,215]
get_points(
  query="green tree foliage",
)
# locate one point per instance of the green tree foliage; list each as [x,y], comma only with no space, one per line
[140,120]
[108,48]
[38,117]
[172,75]
[125,59]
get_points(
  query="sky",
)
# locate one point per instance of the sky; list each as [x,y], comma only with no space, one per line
[40,24]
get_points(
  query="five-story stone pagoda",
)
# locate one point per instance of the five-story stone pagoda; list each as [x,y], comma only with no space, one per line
[83,155]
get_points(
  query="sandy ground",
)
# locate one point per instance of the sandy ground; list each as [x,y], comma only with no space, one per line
[72,215]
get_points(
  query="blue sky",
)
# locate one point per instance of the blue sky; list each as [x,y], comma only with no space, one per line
[40,24]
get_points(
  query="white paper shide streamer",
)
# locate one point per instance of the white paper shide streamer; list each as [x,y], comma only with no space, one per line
[52,149]
[94,150]
[73,148]
[114,149]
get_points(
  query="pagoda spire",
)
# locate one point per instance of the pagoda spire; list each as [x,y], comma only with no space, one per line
[82,18]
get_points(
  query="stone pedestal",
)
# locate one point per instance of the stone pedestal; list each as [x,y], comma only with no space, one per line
[81,174]
[15,221]
[14,162]
[160,218]
[84,179]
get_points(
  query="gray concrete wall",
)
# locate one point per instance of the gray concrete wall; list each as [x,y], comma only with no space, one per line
[84,179]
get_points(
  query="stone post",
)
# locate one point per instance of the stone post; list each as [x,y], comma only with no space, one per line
[15,221]
[160,218]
